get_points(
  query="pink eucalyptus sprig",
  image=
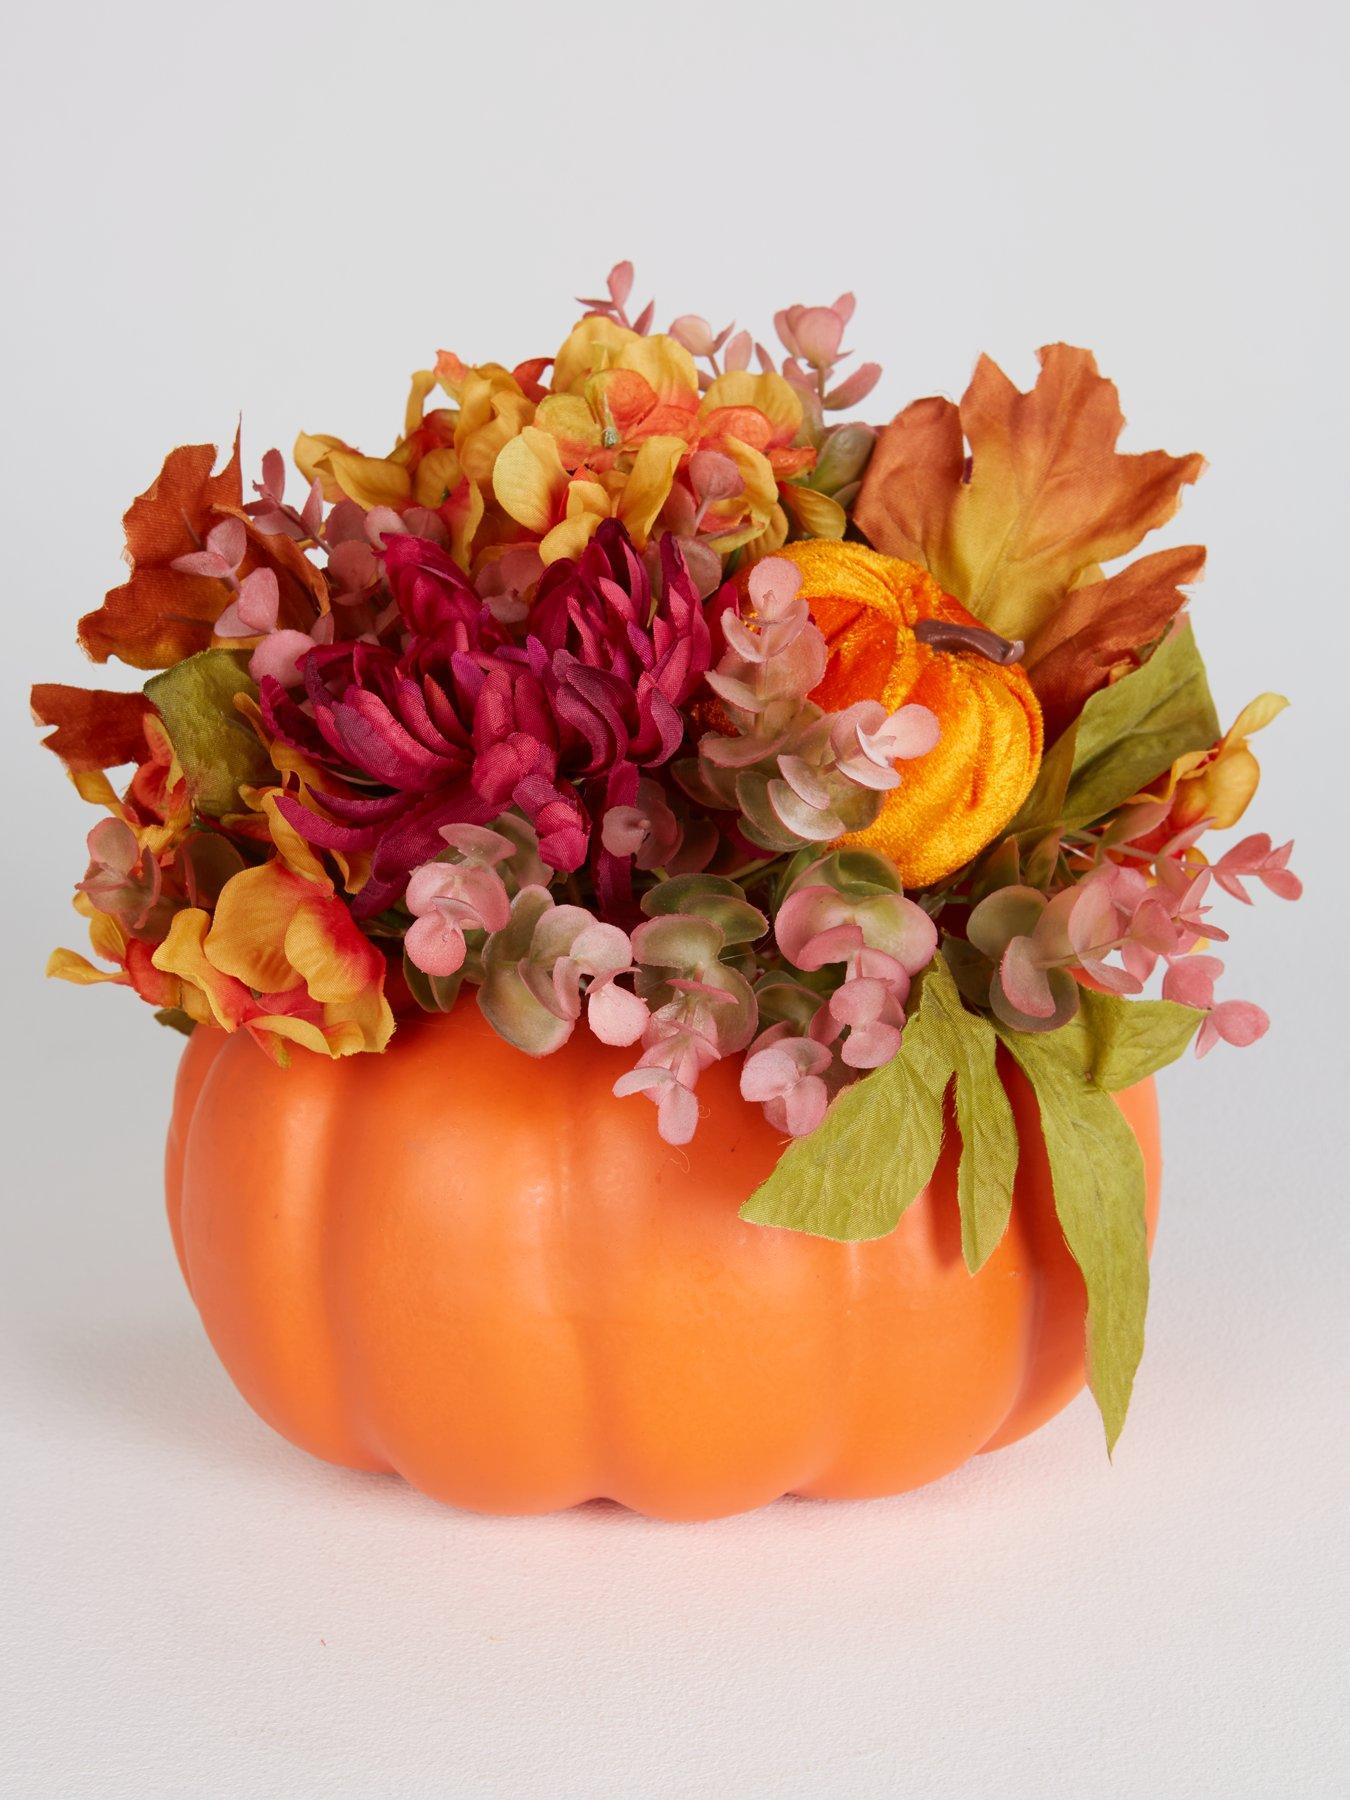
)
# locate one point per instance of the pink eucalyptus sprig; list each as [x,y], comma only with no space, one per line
[468,889]
[545,964]
[813,338]
[795,774]
[253,616]
[1115,926]
[700,1008]
[786,1075]
[613,304]
[698,337]
[271,514]
[847,912]
[1255,859]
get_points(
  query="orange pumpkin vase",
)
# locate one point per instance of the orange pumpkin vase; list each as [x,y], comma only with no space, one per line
[493,1277]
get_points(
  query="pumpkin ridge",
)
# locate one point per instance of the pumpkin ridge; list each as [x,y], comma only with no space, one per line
[528,1300]
[328,1170]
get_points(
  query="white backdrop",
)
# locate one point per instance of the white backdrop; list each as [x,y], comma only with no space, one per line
[284,210]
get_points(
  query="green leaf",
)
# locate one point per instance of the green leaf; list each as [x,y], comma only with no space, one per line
[871,1156]
[176,1019]
[1098,1174]
[218,749]
[966,1045]
[1132,731]
[433,993]
[1044,805]
[712,897]
[1124,1041]
[878,1145]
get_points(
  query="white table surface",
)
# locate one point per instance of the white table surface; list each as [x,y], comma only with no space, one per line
[191,1607]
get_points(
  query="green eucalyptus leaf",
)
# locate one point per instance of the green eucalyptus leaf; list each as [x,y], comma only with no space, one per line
[1130,732]
[1098,1174]
[1040,859]
[513,1012]
[857,874]
[759,822]
[674,894]
[556,932]
[433,993]
[683,941]
[217,748]
[792,871]
[784,998]
[1064,991]
[1126,1041]
[1007,913]
[710,897]
[844,454]
[971,970]
[1001,867]
[512,943]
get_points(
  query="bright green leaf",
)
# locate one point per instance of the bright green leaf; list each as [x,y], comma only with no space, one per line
[1130,732]
[872,1155]
[218,750]
[1125,1041]
[1044,805]
[876,1150]
[965,1043]
[1098,1174]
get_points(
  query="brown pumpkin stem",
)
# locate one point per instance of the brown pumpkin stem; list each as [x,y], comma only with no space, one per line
[943,634]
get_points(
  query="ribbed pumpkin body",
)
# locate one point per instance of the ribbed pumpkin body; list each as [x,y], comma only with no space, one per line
[493,1277]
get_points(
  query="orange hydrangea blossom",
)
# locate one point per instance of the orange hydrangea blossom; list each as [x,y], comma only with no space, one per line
[1217,785]
[517,461]
[281,957]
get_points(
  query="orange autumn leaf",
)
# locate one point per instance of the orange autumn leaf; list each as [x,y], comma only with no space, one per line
[1010,499]
[95,727]
[1100,625]
[161,615]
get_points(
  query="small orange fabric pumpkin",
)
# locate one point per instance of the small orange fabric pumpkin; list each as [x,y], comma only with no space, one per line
[957,798]
[495,1279]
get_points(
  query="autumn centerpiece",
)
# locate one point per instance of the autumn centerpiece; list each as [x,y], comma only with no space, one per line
[661,880]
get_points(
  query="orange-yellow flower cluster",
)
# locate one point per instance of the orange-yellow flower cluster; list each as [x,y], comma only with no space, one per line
[616,432]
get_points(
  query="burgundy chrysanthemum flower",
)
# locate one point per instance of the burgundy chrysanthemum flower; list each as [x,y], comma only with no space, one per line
[455,724]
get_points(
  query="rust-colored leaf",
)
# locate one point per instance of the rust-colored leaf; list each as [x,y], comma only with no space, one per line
[1100,625]
[95,728]
[159,615]
[1011,499]
[912,481]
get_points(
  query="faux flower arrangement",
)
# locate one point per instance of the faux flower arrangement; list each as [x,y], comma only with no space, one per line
[633,692]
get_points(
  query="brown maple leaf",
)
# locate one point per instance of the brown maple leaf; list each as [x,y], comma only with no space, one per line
[95,727]
[162,614]
[1101,625]
[159,615]
[1011,499]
